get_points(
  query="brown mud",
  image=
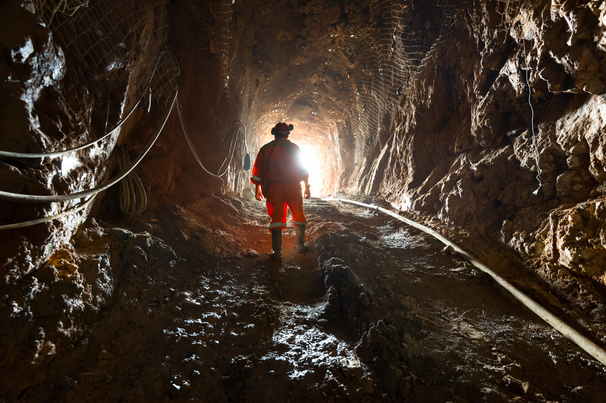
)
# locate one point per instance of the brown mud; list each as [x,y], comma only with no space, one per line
[375,311]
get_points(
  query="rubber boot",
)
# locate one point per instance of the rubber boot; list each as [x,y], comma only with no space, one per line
[301,245]
[276,244]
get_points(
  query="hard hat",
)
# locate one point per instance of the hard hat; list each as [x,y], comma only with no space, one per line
[282,128]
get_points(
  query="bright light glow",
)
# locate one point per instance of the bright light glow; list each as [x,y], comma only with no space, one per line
[314,165]
[68,164]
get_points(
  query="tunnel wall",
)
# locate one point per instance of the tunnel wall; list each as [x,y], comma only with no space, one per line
[423,103]
[441,107]
[467,152]
[444,108]
[71,74]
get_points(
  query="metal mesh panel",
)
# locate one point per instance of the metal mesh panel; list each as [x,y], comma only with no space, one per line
[115,39]
[164,81]
[216,16]
[388,60]
[104,35]
[508,9]
[393,58]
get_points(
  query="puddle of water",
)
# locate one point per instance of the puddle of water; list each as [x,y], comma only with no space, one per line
[305,346]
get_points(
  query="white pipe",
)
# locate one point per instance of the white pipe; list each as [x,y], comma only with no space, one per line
[590,347]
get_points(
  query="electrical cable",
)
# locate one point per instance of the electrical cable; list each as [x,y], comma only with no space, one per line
[80,195]
[534,137]
[133,198]
[109,99]
[246,163]
[118,125]
[231,150]
[583,342]
[232,143]
[49,218]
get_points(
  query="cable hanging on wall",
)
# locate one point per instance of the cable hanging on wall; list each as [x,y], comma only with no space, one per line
[535,147]
[230,151]
[516,21]
[76,26]
[148,87]
[79,195]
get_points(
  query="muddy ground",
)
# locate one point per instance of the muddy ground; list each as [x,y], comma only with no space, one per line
[376,311]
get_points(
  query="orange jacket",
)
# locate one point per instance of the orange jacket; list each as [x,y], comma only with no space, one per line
[278,160]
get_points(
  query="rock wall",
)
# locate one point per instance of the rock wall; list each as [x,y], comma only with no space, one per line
[67,82]
[503,90]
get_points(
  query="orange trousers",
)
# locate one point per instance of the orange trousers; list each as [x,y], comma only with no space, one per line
[280,195]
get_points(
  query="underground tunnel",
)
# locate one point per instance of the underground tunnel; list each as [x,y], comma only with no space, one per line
[456,152]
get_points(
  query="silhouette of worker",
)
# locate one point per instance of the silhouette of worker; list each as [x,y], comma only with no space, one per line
[277,175]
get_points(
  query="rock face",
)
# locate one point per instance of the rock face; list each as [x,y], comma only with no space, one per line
[510,135]
[487,114]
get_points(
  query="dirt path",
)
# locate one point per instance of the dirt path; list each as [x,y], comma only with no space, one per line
[374,312]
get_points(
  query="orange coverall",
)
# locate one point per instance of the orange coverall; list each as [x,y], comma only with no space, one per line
[279,171]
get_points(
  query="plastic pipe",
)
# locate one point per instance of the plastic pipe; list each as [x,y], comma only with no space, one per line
[590,347]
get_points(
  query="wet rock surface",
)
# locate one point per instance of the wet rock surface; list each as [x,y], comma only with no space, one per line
[173,309]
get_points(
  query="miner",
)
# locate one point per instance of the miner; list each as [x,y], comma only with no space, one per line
[277,174]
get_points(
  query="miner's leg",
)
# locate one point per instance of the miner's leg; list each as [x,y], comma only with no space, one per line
[301,245]
[276,244]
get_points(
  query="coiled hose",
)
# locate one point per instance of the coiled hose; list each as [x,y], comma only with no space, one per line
[133,198]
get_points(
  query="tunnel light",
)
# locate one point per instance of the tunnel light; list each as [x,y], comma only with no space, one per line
[314,165]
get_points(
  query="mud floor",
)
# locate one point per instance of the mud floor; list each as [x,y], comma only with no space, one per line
[376,311]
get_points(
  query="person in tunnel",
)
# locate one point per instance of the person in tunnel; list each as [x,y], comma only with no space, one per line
[277,174]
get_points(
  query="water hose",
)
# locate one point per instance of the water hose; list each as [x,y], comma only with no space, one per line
[583,342]
[87,193]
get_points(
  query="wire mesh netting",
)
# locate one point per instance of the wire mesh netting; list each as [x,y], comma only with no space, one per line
[516,15]
[115,53]
[387,61]
[216,16]
[107,37]
[508,9]
[391,60]
[164,81]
